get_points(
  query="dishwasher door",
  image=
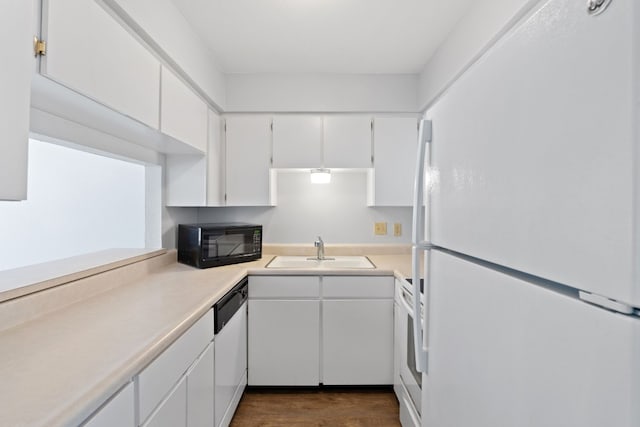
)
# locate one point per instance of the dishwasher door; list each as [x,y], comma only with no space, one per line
[230,349]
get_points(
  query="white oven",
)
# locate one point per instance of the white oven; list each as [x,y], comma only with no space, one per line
[408,381]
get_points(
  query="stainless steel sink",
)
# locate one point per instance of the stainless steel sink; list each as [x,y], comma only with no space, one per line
[327,263]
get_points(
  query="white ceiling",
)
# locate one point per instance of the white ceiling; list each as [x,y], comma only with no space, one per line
[322,36]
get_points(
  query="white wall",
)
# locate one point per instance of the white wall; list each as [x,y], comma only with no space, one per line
[322,92]
[481,26]
[171,217]
[162,26]
[335,211]
[77,203]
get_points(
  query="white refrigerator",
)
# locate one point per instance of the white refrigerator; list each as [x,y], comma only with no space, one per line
[532,229]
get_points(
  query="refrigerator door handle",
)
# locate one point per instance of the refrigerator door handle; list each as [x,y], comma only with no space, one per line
[424,136]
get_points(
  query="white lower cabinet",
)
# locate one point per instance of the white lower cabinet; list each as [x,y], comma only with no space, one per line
[163,384]
[357,342]
[118,411]
[172,411]
[201,391]
[283,342]
[357,330]
[307,330]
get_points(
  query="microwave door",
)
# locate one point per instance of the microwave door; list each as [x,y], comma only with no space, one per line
[231,244]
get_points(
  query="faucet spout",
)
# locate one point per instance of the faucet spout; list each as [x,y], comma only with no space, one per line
[319,244]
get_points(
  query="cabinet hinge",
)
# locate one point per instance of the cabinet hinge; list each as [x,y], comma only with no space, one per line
[272,126]
[39,46]
[225,127]
[225,197]
[371,125]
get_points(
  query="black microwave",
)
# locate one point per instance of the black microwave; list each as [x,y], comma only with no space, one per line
[215,244]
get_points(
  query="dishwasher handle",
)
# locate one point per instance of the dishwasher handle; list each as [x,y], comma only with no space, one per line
[229,304]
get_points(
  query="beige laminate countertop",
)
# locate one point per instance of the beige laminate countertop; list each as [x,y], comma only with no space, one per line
[57,369]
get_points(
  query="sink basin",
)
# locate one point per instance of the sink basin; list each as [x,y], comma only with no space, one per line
[327,263]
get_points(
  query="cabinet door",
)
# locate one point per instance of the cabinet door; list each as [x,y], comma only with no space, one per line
[395,144]
[197,180]
[248,160]
[284,342]
[231,364]
[16,33]
[172,412]
[119,411]
[186,180]
[161,374]
[297,141]
[90,52]
[215,162]
[357,339]
[347,141]
[200,390]
[183,115]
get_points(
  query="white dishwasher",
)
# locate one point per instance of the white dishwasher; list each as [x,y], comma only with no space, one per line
[230,352]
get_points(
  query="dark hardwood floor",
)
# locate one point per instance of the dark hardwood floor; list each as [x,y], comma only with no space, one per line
[317,407]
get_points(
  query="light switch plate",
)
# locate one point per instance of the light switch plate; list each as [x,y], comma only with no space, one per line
[380,228]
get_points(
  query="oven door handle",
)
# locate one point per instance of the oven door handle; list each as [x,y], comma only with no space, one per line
[405,298]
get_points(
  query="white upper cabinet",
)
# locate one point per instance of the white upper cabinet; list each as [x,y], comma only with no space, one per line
[186,180]
[297,141]
[197,180]
[183,115]
[215,161]
[93,54]
[16,34]
[395,147]
[248,160]
[347,141]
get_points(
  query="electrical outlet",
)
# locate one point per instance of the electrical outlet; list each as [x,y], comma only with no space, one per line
[397,229]
[380,228]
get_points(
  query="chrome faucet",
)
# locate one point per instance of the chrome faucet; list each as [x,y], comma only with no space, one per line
[319,244]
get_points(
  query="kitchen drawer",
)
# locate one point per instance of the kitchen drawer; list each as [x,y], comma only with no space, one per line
[155,381]
[118,411]
[357,287]
[284,287]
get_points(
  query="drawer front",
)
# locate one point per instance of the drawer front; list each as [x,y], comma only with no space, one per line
[284,287]
[357,287]
[156,380]
[119,411]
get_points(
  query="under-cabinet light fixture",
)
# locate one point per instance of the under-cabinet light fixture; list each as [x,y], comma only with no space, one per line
[320,176]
